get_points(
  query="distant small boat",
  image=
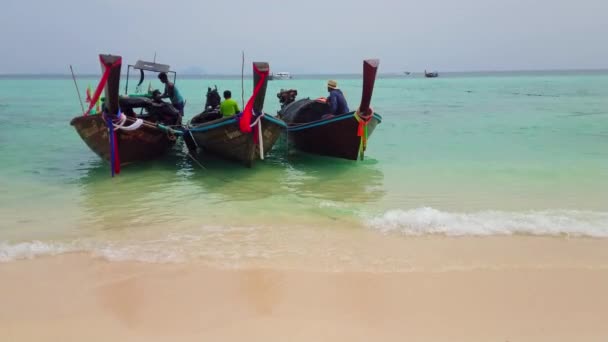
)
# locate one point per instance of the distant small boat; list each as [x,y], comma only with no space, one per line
[431,74]
[407,73]
[280,76]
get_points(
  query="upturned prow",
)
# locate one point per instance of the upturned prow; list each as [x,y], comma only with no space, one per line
[370,68]
[263,68]
[111,88]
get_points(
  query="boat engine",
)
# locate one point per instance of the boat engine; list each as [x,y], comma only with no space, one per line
[287,96]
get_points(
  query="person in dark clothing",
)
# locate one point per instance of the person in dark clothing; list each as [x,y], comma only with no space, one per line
[161,111]
[336,100]
[172,93]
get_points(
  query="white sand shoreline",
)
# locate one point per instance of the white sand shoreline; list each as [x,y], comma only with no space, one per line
[560,296]
[343,250]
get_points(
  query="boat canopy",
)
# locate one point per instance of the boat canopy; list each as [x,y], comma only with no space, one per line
[147,66]
[151,66]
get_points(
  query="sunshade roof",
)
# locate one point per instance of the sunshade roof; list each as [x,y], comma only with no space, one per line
[150,66]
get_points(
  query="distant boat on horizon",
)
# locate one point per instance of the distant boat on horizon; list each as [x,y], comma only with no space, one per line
[280,76]
[407,73]
[431,74]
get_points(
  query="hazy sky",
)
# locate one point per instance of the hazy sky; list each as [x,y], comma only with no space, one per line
[308,36]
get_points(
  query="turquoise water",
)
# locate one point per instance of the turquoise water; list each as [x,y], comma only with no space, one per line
[460,155]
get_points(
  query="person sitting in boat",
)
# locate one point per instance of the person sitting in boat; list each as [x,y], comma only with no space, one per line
[172,93]
[336,100]
[212,99]
[161,111]
[229,107]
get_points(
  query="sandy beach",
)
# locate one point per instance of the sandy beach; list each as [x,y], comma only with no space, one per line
[425,171]
[522,289]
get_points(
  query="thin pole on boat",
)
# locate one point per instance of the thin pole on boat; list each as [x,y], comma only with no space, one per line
[77,90]
[242,80]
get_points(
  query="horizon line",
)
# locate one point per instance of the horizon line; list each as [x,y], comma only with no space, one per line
[326,73]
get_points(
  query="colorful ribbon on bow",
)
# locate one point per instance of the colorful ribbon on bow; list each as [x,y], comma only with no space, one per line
[102,82]
[245,121]
[363,120]
[114,155]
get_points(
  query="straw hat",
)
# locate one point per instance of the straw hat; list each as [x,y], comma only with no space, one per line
[332,84]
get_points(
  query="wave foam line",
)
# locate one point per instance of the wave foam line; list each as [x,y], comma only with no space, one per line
[34,249]
[426,220]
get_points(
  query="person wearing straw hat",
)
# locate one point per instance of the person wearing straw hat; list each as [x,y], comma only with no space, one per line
[336,100]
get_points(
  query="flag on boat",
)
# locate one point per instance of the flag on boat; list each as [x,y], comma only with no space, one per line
[88,100]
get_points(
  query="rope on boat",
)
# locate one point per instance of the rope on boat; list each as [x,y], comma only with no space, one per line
[363,119]
[190,141]
[122,118]
[258,122]
[114,153]
[196,160]
[171,133]
[170,130]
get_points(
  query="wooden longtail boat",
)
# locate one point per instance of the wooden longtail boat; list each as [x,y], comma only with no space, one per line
[224,137]
[342,136]
[136,139]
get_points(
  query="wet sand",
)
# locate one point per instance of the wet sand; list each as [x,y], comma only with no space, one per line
[77,297]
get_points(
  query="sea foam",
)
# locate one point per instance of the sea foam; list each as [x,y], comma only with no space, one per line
[29,250]
[421,221]
[213,243]
[33,249]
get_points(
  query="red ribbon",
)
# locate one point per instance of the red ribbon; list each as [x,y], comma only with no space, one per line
[360,129]
[245,122]
[102,82]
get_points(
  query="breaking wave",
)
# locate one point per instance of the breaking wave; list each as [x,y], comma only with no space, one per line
[34,249]
[426,220]
[240,244]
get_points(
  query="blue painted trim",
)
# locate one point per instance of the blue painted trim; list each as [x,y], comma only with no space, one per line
[205,128]
[328,121]
[378,117]
[275,120]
